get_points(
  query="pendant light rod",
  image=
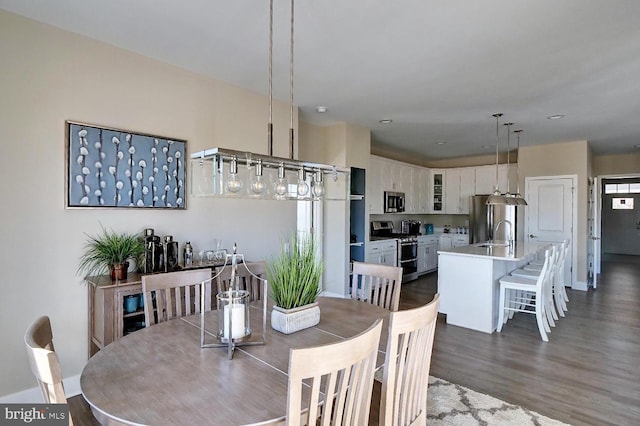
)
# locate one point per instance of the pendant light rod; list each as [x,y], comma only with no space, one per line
[270,122]
[291,131]
[508,125]
[497,116]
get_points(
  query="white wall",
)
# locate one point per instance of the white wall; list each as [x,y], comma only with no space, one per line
[49,76]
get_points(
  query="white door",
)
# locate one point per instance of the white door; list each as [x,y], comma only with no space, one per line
[549,215]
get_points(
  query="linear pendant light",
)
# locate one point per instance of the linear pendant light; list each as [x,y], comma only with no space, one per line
[497,199]
[508,196]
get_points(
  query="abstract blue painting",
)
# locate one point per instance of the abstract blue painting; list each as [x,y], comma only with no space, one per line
[118,168]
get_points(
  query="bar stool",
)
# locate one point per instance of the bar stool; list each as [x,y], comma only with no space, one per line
[517,294]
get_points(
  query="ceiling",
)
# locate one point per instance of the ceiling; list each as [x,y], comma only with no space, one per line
[438,69]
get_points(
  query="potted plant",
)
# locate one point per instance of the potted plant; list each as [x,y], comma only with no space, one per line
[110,251]
[294,276]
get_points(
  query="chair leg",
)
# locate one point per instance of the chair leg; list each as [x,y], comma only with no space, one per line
[501,307]
[557,297]
[542,323]
[565,296]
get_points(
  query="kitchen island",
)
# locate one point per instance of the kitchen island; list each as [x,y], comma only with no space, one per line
[468,281]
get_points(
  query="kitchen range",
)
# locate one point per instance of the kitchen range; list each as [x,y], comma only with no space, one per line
[407,244]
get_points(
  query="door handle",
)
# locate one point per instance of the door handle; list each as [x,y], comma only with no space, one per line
[533,236]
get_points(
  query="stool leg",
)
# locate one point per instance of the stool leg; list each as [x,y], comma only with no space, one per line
[501,319]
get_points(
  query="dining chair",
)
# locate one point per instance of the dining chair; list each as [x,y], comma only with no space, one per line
[519,294]
[333,384]
[174,294]
[377,284]
[405,379]
[44,361]
[246,280]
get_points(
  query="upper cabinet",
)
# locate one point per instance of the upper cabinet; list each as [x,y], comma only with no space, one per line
[486,178]
[435,191]
[374,188]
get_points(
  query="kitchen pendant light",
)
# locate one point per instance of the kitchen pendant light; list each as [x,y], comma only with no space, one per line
[519,198]
[497,198]
[508,196]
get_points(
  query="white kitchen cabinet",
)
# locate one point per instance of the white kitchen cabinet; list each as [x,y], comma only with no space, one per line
[423,176]
[374,188]
[460,184]
[446,241]
[383,251]
[459,240]
[437,191]
[485,179]
[427,253]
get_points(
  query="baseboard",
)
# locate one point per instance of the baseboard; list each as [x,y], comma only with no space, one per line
[579,285]
[33,395]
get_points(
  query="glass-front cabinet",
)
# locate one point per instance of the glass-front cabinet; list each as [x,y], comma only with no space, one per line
[437,191]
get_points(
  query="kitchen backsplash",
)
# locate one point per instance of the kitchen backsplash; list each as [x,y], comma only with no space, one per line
[438,220]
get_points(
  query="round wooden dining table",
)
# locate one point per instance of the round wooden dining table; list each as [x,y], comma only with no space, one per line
[161,376]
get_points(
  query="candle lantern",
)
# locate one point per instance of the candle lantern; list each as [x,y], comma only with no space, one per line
[234,306]
[233,314]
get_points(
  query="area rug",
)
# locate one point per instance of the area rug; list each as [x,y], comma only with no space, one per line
[451,404]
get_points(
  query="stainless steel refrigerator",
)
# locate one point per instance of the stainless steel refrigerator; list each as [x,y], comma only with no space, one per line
[483,220]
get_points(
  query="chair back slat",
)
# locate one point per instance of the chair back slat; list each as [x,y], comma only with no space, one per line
[377,284]
[174,294]
[407,364]
[246,280]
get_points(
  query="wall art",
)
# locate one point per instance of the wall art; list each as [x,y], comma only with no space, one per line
[118,168]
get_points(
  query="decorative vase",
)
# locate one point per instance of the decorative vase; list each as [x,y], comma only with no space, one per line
[289,321]
[119,272]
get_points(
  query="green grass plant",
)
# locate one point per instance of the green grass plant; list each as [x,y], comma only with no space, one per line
[109,248]
[294,272]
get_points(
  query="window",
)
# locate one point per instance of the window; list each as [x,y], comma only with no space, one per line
[622,188]
[622,204]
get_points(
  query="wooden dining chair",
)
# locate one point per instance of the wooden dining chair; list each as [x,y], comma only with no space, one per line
[174,294]
[405,379]
[376,284]
[335,380]
[246,280]
[44,362]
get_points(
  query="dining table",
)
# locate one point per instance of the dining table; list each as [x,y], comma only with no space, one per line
[160,375]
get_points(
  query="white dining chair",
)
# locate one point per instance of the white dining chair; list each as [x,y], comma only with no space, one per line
[525,295]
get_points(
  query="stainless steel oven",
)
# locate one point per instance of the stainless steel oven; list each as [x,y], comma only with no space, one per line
[408,257]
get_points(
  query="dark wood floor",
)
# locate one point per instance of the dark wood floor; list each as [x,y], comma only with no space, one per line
[587,374]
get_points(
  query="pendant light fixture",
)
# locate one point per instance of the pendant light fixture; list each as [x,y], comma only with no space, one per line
[508,196]
[497,198]
[519,198]
[263,183]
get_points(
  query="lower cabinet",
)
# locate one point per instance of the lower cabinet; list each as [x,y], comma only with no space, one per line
[427,253]
[112,312]
[384,252]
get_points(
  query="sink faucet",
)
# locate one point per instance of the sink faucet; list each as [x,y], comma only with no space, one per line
[510,237]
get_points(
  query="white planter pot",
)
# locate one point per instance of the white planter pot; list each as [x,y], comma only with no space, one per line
[289,321]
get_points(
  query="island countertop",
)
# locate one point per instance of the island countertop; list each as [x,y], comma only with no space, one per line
[499,250]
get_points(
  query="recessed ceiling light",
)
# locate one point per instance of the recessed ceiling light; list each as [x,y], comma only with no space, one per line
[637,145]
[386,121]
[440,142]
[322,109]
[485,147]
[556,117]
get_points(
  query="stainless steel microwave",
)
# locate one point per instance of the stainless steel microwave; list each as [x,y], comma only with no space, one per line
[393,202]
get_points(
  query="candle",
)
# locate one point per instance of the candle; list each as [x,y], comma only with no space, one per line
[237,320]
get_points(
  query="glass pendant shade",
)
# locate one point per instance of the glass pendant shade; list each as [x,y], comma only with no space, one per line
[303,186]
[234,184]
[258,185]
[318,185]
